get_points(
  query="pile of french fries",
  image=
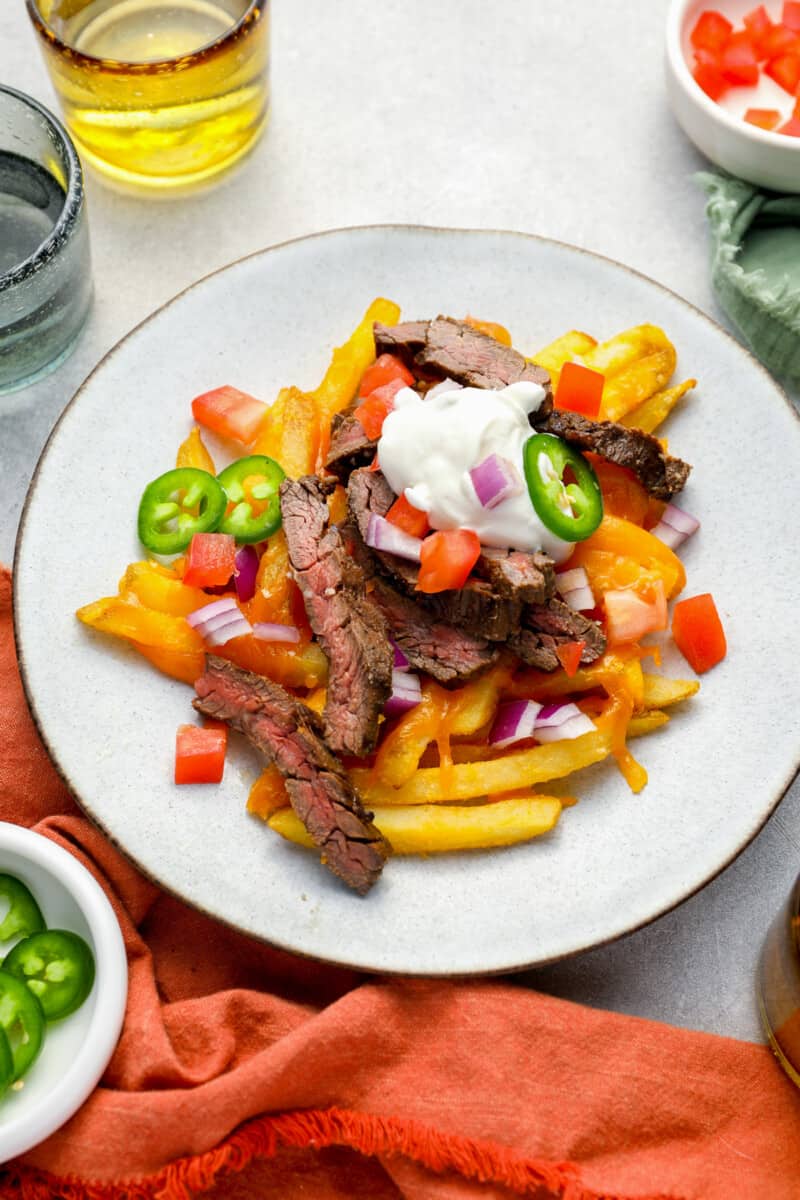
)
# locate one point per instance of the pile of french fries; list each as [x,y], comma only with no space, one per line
[434,783]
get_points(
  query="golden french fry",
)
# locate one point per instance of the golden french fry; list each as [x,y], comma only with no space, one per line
[268,793]
[475,704]
[350,361]
[158,588]
[289,432]
[626,348]
[570,345]
[636,383]
[660,692]
[436,829]
[400,752]
[144,625]
[465,781]
[612,669]
[649,415]
[192,452]
[646,722]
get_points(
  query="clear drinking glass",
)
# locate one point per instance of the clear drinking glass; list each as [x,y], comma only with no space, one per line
[159,95]
[779,985]
[45,271]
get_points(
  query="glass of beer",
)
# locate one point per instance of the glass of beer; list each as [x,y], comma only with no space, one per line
[159,95]
[779,985]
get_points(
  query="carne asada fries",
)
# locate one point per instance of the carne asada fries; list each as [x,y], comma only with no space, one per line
[453,662]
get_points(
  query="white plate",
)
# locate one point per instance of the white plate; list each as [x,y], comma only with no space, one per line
[616,860]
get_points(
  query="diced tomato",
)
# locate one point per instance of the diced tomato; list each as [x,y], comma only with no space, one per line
[447,557]
[373,411]
[791,15]
[777,41]
[711,31]
[579,389]
[764,118]
[569,655]
[630,616]
[200,753]
[698,632]
[710,79]
[792,127]
[230,413]
[405,516]
[758,24]
[785,70]
[491,329]
[210,560]
[738,60]
[385,368]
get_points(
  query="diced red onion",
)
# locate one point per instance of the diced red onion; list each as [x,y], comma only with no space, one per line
[575,588]
[401,663]
[245,572]
[219,622]
[383,535]
[559,722]
[446,385]
[494,480]
[675,526]
[268,631]
[514,722]
[406,693]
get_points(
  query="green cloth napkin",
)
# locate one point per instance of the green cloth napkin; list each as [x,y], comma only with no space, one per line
[755,269]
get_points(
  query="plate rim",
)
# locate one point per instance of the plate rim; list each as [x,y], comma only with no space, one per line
[381,227]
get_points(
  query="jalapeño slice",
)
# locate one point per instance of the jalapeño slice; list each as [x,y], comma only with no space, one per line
[252,488]
[57,968]
[571,509]
[21,1019]
[176,506]
[24,915]
[6,1062]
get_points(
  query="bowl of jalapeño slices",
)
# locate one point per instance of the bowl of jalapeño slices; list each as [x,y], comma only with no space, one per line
[63,986]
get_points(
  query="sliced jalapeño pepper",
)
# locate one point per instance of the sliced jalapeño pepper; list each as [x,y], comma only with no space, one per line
[571,508]
[22,1020]
[178,505]
[254,507]
[6,1061]
[24,915]
[58,968]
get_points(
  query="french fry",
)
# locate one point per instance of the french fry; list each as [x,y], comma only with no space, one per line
[159,588]
[289,432]
[622,351]
[268,793]
[643,723]
[437,829]
[465,781]
[653,411]
[143,625]
[301,666]
[193,453]
[661,693]
[565,348]
[636,363]
[476,703]
[350,361]
[613,671]
[626,540]
[400,751]
[184,667]
[273,597]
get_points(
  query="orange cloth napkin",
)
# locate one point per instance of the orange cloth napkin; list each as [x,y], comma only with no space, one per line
[245,1072]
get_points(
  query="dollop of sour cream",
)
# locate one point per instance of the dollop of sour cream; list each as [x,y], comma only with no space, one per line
[429,446]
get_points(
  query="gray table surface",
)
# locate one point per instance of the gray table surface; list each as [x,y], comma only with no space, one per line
[527,114]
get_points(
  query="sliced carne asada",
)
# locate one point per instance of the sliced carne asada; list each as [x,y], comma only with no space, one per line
[448,349]
[349,448]
[287,733]
[518,575]
[546,626]
[660,473]
[348,625]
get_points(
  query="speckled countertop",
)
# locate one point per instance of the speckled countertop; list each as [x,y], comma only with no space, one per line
[526,115]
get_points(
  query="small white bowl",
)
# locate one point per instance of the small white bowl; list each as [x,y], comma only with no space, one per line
[76,1049]
[770,160]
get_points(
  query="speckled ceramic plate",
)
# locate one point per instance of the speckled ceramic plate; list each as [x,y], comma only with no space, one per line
[615,861]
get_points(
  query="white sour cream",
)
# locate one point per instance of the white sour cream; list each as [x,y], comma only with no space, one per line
[428,447]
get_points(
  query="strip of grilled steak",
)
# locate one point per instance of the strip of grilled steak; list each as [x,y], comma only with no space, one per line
[445,348]
[349,627]
[660,473]
[517,575]
[350,447]
[449,655]
[546,626]
[287,733]
[475,607]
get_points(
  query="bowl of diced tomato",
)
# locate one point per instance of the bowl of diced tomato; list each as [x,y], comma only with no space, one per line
[733,79]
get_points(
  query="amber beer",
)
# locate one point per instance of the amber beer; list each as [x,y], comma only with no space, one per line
[159,94]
